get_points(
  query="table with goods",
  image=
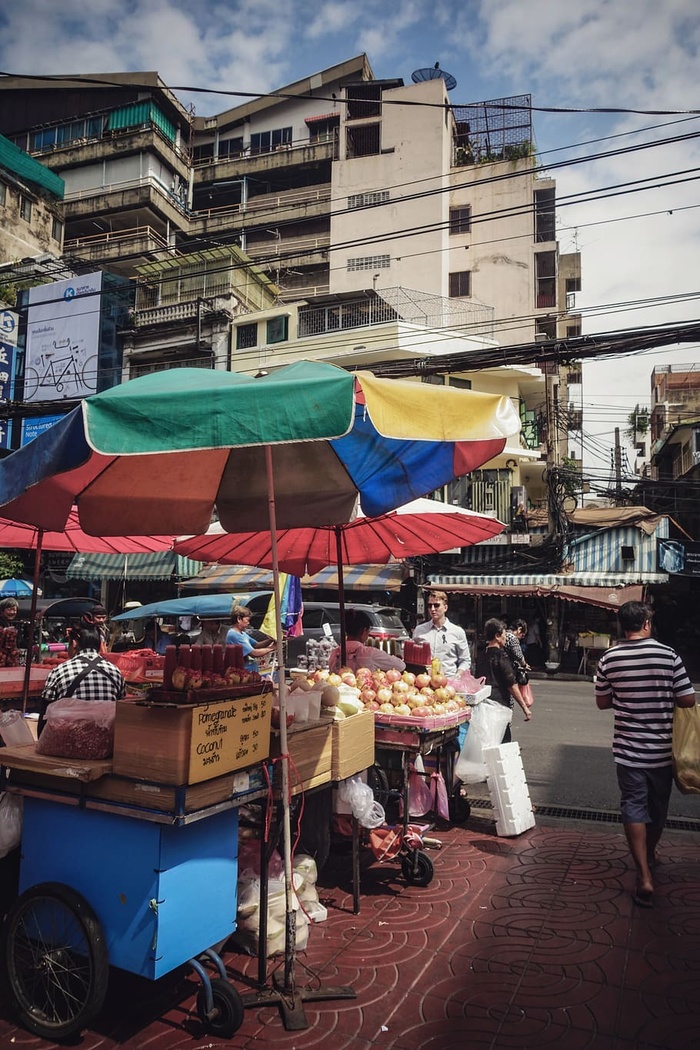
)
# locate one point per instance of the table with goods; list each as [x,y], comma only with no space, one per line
[129,849]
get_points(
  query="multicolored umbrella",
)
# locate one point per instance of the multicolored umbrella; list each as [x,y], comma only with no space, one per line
[16,589]
[299,446]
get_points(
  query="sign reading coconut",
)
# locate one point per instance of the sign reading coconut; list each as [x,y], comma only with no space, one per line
[228,736]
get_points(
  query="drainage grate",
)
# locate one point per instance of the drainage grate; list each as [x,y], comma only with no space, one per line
[596,816]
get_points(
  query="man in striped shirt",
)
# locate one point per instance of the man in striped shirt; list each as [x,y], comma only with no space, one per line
[642,681]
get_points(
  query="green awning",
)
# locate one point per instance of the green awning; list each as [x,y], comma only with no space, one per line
[160,566]
[30,170]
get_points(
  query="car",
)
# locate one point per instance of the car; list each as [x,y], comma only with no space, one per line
[321,617]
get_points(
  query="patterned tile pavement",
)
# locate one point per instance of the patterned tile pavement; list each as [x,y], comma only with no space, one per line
[529,941]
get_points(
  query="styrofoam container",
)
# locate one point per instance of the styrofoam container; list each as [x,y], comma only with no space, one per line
[510,798]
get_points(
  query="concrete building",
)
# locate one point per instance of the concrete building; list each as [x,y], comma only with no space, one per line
[31,219]
[390,221]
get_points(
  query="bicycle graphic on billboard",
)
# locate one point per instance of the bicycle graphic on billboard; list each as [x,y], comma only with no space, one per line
[65,370]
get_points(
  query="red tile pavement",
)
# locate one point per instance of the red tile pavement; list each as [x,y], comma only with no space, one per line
[530,941]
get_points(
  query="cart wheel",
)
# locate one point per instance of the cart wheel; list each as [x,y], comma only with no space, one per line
[55,959]
[460,807]
[417,868]
[228,1009]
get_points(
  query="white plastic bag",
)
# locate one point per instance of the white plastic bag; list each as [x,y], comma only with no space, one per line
[360,797]
[486,728]
[11,810]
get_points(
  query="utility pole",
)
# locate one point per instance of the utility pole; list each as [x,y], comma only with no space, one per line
[618,467]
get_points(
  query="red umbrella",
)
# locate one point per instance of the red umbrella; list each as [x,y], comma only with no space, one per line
[71,538]
[423,526]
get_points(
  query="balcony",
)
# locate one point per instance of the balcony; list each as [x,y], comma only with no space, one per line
[147,194]
[111,246]
[289,206]
[288,155]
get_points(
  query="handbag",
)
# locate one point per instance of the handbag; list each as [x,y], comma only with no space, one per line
[686,749]
[521,675]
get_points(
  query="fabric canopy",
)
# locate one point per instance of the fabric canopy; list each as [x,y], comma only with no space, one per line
[206,606]
[604,593]
[71,537]
[357,577]
[155,566]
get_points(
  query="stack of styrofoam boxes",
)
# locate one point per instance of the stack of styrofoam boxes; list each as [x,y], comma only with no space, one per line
[507,786]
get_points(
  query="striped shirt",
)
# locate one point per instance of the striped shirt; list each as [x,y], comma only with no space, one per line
[643,677]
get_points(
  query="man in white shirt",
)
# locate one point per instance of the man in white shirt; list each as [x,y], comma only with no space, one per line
[447,640]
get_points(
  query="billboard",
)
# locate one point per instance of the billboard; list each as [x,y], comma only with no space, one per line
[31,428]
[63,339]
[678,557]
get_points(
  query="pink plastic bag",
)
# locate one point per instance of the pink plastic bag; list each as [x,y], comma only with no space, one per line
[438,793]
[420,799]
[466,683]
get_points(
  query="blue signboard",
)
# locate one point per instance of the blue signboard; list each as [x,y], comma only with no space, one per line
[31,428]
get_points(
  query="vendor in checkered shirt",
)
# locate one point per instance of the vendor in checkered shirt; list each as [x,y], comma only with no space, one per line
[103,681]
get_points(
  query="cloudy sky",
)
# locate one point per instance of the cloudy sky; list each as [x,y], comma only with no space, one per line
[639,247]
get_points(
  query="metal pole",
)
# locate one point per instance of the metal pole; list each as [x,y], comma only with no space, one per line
[341,596]
[32,622]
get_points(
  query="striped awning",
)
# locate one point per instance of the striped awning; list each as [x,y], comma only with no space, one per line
[159,566]
[247,578]
[606,590]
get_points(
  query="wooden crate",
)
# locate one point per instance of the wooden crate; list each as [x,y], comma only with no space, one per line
[353,745]
[186,745]
[310,747]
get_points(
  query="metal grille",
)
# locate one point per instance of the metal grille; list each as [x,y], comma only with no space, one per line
[497,130]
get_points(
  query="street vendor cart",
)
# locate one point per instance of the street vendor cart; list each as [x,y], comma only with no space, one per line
[120,870]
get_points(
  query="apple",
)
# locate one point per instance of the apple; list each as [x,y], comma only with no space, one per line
[422,680]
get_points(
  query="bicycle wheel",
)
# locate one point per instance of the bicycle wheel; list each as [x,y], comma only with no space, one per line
[417,868]
[55,960]
[31,383]
[88,375]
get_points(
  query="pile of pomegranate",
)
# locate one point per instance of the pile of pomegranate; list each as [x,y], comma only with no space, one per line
[397,693]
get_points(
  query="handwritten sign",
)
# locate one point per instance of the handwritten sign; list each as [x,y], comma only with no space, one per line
[229,735]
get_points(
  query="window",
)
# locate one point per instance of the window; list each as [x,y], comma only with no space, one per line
[369,262]
[246,336]
[230,148]
[3,193]
[460,284]
[363,141]
[546,327]
[459,384]
[460,219]
[265,141]
[545,280]
[364,100]
[204,153]
[277,329]
[57,230]
[573,284]
[25,208]
[573,330]
[544,216]
[366,200]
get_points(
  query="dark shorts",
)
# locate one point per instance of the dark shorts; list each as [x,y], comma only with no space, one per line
[644,794]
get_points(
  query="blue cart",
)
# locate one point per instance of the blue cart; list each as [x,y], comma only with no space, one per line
[99,887]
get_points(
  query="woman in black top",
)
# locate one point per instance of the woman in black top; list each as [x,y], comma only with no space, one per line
[493,663]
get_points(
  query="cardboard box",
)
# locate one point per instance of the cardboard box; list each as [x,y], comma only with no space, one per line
[353,745]
[189,744]
[310,747]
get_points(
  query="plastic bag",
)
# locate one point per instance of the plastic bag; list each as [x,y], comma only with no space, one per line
[420,799]
[486,728]
[78,729]
[11,810]
[686,749]
[438,793]
[466,683]
[527,695]
[360,797]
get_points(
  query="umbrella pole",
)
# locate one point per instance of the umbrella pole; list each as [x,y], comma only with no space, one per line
[290,915]
[341,596]
[32,622]
[285,996]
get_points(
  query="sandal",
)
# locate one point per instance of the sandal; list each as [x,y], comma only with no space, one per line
[644,898]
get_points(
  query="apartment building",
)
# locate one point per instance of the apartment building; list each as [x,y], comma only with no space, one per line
[388,220]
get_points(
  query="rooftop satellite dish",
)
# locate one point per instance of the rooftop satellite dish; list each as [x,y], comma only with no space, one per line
[434,73]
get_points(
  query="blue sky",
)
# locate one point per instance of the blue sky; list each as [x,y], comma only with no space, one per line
[620,54]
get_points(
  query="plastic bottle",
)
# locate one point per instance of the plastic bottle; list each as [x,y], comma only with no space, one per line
[217,661]
[14,730]
[169,666]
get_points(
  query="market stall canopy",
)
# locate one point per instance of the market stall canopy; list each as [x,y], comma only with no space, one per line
[423,526]
[604,591]
[212,606]
[604,518]
[156,566]
[357,577]
[160,452]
